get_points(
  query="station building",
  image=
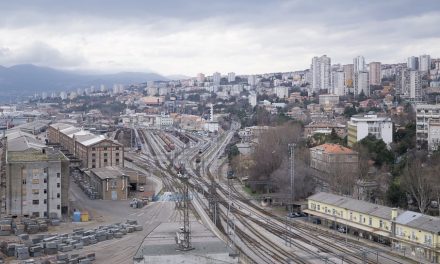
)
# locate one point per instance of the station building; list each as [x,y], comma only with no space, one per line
[406,231]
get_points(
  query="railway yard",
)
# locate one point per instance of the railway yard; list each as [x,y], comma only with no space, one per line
[253,233]
[227,226]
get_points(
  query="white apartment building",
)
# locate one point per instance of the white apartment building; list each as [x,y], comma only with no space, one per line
[252,80]
[320,70]
[338,83]
[164,120]
[361,83]
[282,92]
[415,85]
[427,118]
[216,78]
[361,126]
[231,77]
[252,99]
[359,64]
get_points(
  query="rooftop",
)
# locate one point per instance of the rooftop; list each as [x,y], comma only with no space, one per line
[32,155]
[334,149]
[354,205]
[111,172]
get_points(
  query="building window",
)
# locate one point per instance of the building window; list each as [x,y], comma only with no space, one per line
[35,191]
[117,154]
[105,154]
[24,181]
[36,214]
[45,191]
[105,160]
[370,221]
[58,175]
[117,160]
[105,148]
[93,154]
[360,218]
[93,149]
[58,195]
[45,201]
[381,223]
[93,166]
[319,207]
[58,185]
[45,180]
[351,215]
[117,148]
[58,206]
[35,202]
[93,160]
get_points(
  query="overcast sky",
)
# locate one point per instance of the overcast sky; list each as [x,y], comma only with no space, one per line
[191,36]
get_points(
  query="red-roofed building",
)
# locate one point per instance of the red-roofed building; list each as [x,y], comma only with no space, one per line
[330,158]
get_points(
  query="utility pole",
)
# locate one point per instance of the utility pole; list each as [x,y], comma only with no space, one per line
[292,174]
[184,236]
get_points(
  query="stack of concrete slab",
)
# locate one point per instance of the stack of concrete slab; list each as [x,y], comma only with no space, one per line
[36,251]
[21,252]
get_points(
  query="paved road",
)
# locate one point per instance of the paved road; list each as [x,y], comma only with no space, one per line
[120,250]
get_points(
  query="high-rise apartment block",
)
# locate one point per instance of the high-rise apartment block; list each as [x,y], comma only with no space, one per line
[359,64]
[375,73]
[231,77]
[216,78]
[413,63]
[361,83]
[321,78]
[338,83]
[424,63]
[348,75]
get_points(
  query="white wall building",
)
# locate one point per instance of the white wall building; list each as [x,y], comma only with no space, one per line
[415,85]
[424,114]
[163,120]
[320,70]
[361,126]
[252,80]
[231,77]
[282,92]
[361,83]
[338,83]
[252,99]
[216,78]
[359,64]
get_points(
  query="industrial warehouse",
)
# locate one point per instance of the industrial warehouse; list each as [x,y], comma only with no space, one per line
[406,231]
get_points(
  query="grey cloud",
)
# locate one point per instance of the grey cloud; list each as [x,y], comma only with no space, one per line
[40,53]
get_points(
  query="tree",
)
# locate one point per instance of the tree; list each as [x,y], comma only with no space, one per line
[377,149]
[418,179]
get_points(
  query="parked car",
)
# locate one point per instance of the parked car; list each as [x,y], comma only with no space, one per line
[141,189]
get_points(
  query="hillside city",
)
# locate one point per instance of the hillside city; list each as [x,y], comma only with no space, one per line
[331,164]
[214,132]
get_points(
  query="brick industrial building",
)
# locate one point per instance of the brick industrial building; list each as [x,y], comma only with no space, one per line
[94,151]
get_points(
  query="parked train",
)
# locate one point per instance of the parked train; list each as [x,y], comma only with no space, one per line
[169,145]
[182,137]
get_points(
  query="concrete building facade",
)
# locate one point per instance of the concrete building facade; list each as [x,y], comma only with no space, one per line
[361,126]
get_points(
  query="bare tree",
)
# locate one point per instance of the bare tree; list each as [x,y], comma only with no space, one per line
[418,179]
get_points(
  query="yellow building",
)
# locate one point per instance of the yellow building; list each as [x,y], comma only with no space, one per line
[410,232]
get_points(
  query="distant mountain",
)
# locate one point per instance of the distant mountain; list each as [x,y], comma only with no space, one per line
[178,77]
[26,80]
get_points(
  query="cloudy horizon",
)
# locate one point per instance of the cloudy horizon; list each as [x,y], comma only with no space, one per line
[192,36]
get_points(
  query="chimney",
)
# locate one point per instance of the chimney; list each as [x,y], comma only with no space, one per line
[394,214]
